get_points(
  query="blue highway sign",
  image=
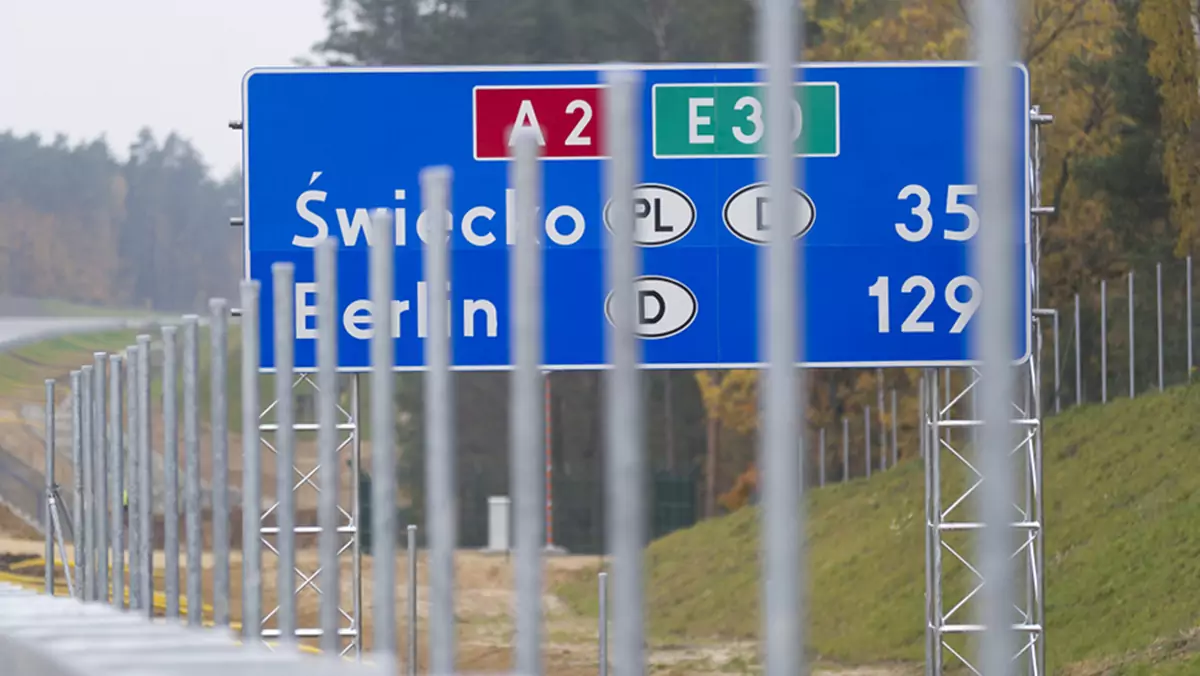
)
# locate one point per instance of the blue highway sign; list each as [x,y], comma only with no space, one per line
[885,215]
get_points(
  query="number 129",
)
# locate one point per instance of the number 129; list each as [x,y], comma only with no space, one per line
[965,308]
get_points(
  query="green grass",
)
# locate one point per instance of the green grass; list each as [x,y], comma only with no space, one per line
[1122,553]
[26,367]
[23,370]
[64,308]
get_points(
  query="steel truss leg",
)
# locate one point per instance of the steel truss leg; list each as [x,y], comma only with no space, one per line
[953,580]
[306,471]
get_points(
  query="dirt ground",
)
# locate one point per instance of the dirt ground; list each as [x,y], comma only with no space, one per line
[484,595]
[483,604]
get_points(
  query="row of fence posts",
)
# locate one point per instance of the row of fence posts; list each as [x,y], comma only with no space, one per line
[783,614]
[1161,372]
[107,449]
[97,395]
[103,445]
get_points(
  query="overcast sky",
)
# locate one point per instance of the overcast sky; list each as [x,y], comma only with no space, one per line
[109,67]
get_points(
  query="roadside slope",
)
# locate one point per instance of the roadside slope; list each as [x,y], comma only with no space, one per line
[1123,552]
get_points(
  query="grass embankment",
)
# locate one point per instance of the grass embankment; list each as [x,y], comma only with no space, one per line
[24,369]
[1122,554]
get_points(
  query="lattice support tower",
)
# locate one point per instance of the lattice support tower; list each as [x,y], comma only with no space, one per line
[952,479]
[306,471]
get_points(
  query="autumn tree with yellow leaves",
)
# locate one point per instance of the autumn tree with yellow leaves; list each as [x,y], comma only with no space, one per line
[1119,164]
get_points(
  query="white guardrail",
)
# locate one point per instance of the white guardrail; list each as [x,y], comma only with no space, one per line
[44,635]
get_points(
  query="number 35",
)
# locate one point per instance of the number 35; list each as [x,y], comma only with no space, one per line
[913,323]
[954,205]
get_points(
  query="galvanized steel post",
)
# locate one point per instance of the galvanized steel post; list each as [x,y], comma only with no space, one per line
[525,427]
[412,600]
[1104,341]
[99,501]
[1159,308]
[48,517]
[116,463]
[781,334]
[88,530]
[441,511]
[170,369]
[218,335]
[1079,358]
[624,467]
[327,443]
[383,450]
[133,503]
[145,551]
[283,275]
[251,467]
[867,438]
[1132,350]
[991,258]
[78,539]
[193,534]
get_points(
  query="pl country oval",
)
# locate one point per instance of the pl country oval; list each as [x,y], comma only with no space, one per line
[743,215]
[665,306]
[669,214]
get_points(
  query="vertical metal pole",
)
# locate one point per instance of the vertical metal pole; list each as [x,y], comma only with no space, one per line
[383,451]
[218,336]
[191,467]
[100,464]
[1104,341]
[867,438]
[412,600]
[781,331]
[283,275]
[845,449]
[948,398]
[895,440]
[1132,351]
[1189,318]
[921,400]
[526,388]
[132,508]
[603,622]
[882,411]
[1158,297]
[929,452]
[145,480]
[549,445]
[251,467]
[86,529]
[820,457]
[1079,358]
[623,422]
[1057,368]
[439,427]
[327,443]
[116,479]
[170,369]
[49,497]
[992,256]
[356,582]
[78,539]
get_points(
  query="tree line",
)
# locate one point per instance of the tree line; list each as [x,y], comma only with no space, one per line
[149,232]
